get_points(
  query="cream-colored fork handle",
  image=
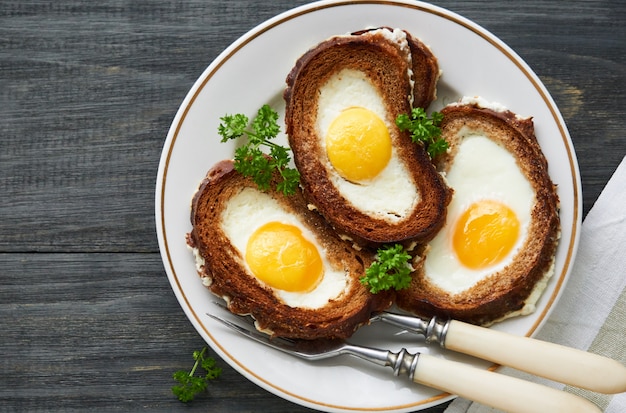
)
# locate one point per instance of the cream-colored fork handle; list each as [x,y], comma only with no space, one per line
[549,360]
[497,390]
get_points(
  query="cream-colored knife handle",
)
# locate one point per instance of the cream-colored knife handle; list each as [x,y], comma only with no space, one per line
[552,361]
[497,390]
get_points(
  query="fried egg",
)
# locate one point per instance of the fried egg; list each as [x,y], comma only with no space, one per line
[488,217]
[281,252]
[354,132]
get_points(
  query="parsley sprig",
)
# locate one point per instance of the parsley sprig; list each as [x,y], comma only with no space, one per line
[192,384]
[390,270]
[424,129]
[250,160]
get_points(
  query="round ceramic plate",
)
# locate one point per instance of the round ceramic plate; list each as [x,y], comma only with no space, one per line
[252,72]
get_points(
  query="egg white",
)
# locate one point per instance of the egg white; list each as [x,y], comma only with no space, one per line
[250,209]
[481,170]
[392,194]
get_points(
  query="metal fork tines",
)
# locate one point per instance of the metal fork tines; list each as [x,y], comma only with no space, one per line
[401,362]
[499,391]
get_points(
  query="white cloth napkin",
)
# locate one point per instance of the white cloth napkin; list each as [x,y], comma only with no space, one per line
[591,314]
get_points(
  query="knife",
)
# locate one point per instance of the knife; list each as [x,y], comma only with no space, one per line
[541,358]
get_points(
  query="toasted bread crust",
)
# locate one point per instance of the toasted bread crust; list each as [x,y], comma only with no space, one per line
[425,67]
[225,276]
[505,292]
[387,68]
[425,72]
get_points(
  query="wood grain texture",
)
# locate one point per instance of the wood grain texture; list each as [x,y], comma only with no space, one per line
[102,333]
[87,93]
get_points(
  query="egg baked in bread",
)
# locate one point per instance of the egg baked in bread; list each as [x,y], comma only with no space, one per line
[493,257]
[269,256]
[365,176]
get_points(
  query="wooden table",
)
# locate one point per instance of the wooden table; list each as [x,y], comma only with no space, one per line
[88,91]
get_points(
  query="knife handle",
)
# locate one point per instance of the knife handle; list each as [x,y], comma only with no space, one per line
[497,390]
[552,361]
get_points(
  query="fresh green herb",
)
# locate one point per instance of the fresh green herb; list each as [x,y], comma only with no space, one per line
[424,129]
[192,384]
[250,160]
[390,270]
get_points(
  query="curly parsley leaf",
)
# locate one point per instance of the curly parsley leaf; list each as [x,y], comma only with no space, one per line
[192,384]
[265,124]
[392,269]
[232,126]
[250,160]
[424,129]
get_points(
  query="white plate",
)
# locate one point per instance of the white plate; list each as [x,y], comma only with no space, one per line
[252,72]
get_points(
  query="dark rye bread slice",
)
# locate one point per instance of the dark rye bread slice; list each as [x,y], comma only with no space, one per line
[386,65]
[505,293]
[425,69]
[222,270]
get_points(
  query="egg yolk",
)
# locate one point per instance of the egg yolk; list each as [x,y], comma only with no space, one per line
[485,233]
[280,256]
[358,144]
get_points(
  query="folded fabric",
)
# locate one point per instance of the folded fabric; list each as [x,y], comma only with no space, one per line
[591,313]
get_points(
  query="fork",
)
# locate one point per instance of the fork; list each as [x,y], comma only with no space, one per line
[552,361]
[496,390]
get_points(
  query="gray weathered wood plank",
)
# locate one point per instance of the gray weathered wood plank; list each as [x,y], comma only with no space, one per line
[102,331]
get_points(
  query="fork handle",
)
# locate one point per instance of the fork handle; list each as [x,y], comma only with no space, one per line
[496,390]
[541,358]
